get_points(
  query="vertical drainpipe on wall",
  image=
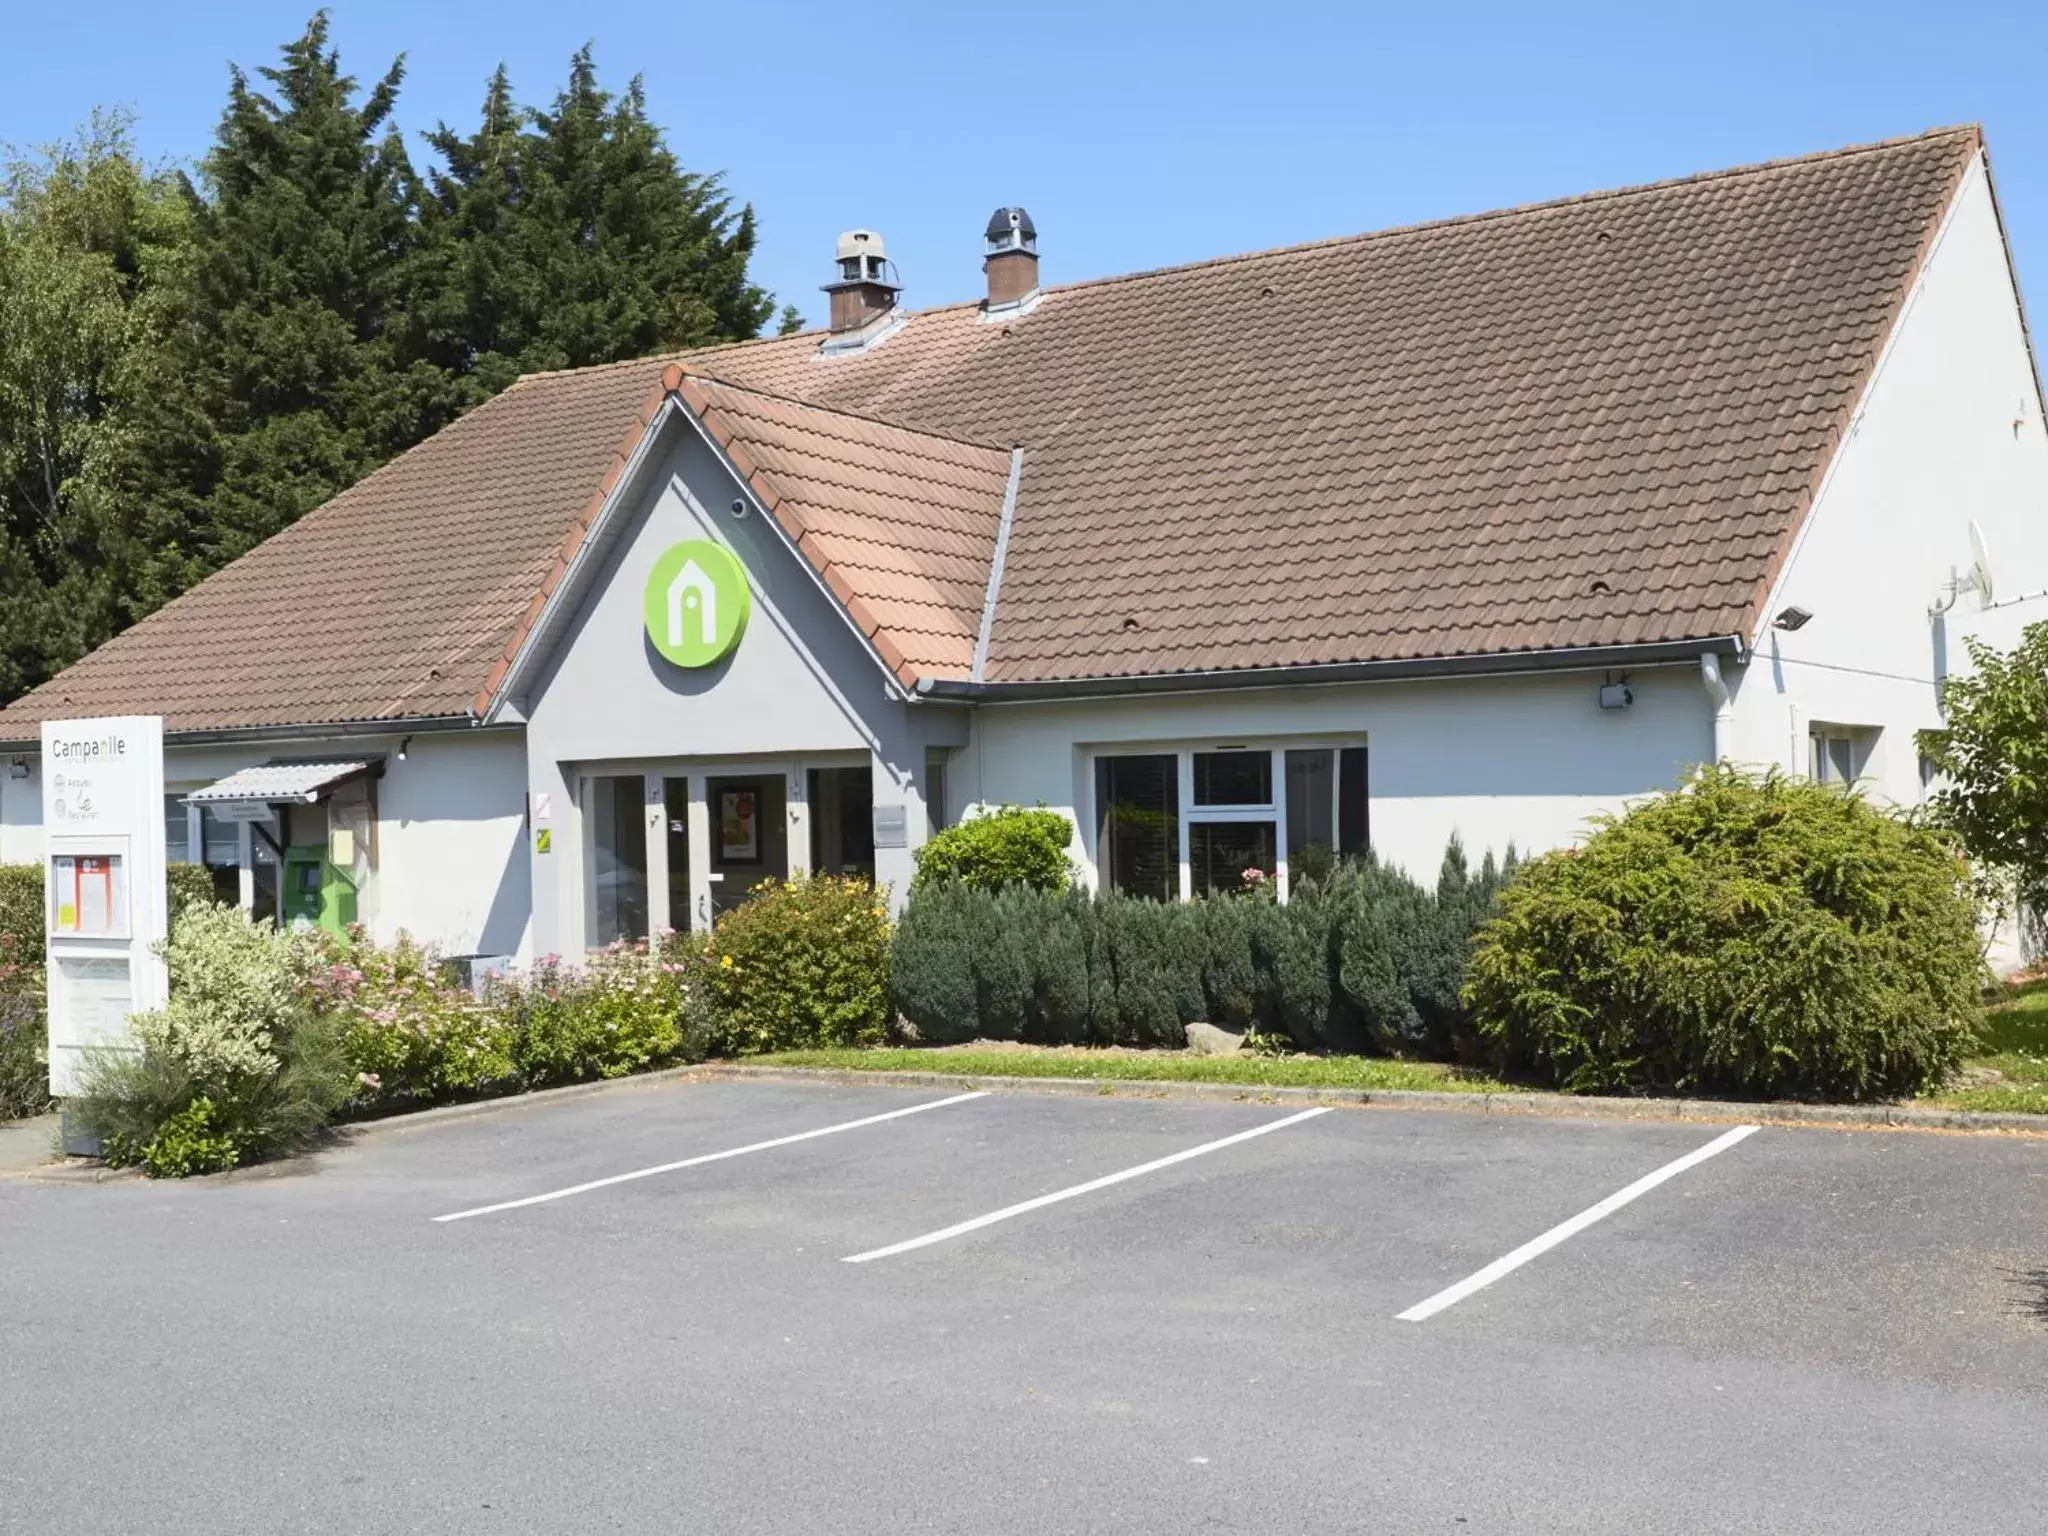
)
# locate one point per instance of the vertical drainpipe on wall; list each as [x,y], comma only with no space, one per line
[1724,708]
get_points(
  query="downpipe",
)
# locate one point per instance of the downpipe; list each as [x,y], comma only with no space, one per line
[1724,706]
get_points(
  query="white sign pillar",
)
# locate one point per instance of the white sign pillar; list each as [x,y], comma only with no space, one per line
[103,882]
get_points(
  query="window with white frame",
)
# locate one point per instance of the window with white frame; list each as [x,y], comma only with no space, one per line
[1214,819]
[1839,754]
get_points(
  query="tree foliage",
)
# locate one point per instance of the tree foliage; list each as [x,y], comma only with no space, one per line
[1993,757]
[189,363]
[570,235]
[92,249]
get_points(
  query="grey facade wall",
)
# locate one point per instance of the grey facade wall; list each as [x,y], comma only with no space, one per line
[799,688]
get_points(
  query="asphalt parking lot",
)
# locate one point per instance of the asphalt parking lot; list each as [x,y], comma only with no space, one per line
[1072,1315]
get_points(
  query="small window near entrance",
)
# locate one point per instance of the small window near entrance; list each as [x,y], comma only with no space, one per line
[1839,754]
[220,849]
[843,821]
[1137,807]
[177,830]
[936,819]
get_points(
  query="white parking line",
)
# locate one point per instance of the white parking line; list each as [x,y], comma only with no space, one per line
[1508,1263]
[1056,1196]
[709,1157]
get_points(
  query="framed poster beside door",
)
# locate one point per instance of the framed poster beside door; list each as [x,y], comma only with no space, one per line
[739,825]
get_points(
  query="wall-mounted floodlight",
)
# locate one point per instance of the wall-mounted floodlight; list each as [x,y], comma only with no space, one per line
[1794,617]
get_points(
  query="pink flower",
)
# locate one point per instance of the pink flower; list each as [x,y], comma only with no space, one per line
[1254,875]
[371,1079]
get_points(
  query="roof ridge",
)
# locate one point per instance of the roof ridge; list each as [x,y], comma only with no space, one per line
[672,355]
[897,423]
[1519,210]
[1973,131]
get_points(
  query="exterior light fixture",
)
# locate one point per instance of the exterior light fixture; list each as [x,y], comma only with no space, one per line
[1616,695]
[1791,618]
[402,745]
[17,768]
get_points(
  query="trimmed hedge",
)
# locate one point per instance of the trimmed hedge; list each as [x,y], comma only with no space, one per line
[1364,960]
[1005,846]
[1760,936]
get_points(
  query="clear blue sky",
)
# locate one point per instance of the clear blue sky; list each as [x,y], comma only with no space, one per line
[1137,134]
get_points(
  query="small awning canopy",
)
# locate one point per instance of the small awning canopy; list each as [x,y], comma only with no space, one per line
[278,783]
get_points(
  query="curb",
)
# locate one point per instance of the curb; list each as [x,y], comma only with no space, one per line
[1853,1116]
[1715,1111]
[412,1119]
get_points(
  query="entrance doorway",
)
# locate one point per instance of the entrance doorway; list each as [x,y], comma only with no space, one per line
[749,836]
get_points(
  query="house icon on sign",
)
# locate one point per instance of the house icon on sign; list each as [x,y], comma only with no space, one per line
[692,596]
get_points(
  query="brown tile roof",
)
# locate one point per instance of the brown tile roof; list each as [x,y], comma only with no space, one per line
[1590,422]
[900,523]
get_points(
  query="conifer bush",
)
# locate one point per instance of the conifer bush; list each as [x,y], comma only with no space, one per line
[1744,934]
[1362,959]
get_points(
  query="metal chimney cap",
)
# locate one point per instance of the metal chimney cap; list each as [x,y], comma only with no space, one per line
[859,242]
[1003,220]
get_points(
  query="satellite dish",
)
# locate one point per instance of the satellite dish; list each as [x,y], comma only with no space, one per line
[1980,565]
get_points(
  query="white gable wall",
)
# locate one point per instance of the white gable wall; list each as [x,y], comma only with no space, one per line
[1950,430]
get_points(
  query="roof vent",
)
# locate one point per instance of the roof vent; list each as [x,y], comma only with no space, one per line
[866,286]
[1010,258]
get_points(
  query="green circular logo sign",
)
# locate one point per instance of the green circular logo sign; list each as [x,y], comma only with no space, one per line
[697,603]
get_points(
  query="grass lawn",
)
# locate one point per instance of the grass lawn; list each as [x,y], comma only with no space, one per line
[1365,1072]
[2016,1047]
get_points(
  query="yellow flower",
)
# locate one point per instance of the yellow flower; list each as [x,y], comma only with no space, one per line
[725,962]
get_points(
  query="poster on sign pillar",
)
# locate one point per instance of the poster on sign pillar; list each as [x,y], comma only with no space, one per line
[103,882]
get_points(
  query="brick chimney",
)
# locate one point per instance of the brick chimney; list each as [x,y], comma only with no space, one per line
[866,285]
[1011,258]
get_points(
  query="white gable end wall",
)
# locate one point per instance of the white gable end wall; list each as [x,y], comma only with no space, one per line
[1950,430]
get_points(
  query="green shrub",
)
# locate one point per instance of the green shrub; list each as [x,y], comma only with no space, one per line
[23,917]
[234,985]
[187,885]
[628,1009]
[24,1045]
[1006,846]
[410,1037]
[241,1033]
[150,1109]
[802,963]
[1742,934]
[190,1140]
[932,960]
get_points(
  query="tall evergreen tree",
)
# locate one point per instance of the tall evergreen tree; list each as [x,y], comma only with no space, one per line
[284,382]
[571,236]
[91,244]
[186,369]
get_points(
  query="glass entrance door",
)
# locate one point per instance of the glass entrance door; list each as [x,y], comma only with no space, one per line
[619,842]
[749,836]
[675,811]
